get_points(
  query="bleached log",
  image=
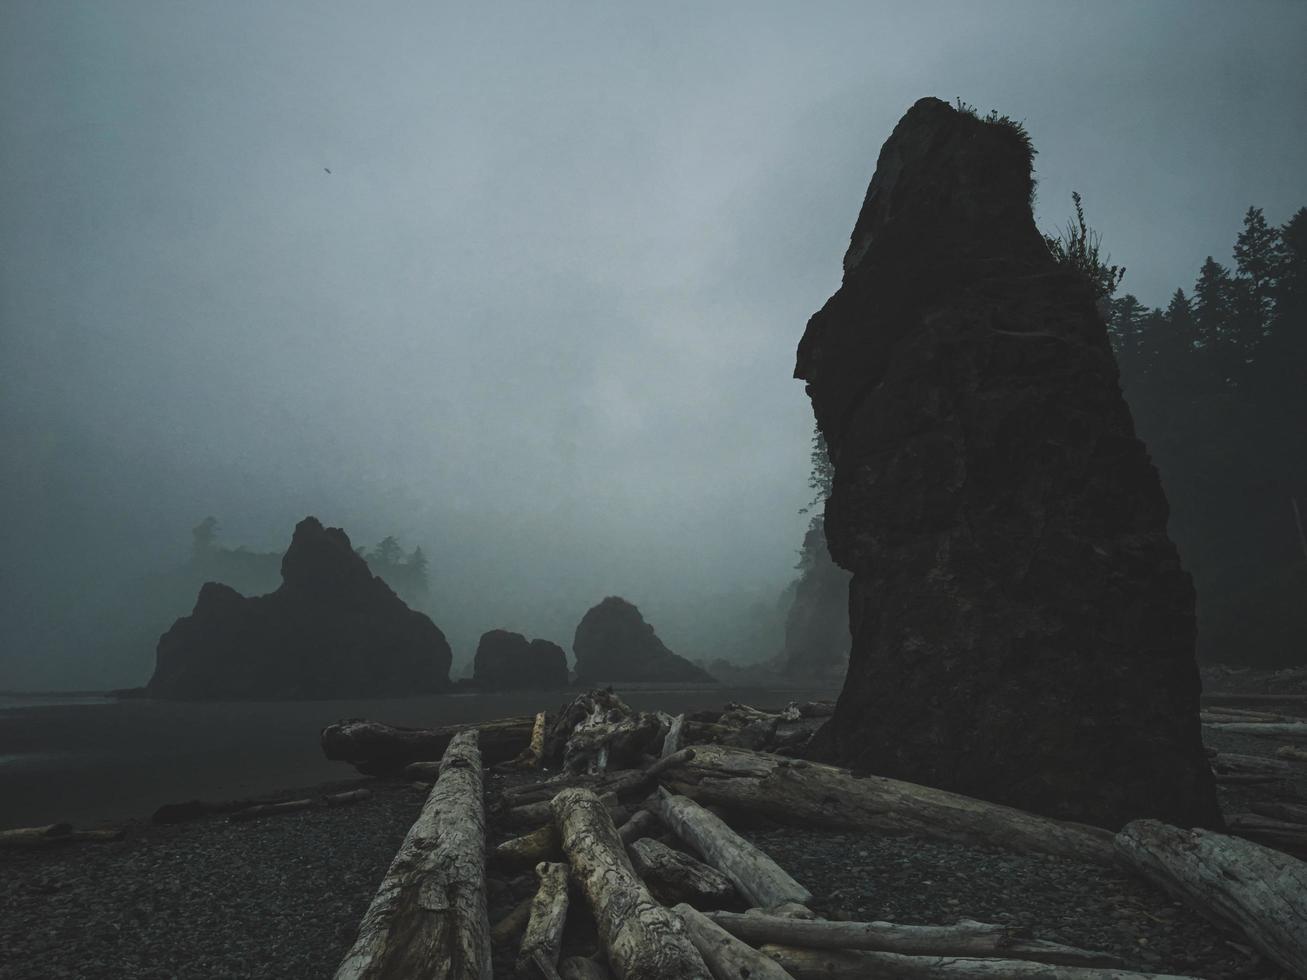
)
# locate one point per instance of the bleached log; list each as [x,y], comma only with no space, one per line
[672,741]
[349,796]
[269,810]
[809,794]
[848,964]
[583,968]
[544,931]
[533,755]
[1291,752]
[642,822]
[428,918]
[376,749]
[757,877]
[1257,890]
[528,850]
[642,940]
[1295,730]
[726,956]
[676,877]
[54,834]
[964,938]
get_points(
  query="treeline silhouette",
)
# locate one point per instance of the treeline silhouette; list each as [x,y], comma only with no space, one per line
[1217,383]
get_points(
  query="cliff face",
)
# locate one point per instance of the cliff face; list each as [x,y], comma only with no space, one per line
[1022,628]
[331,630]
[614,643]
[817,625]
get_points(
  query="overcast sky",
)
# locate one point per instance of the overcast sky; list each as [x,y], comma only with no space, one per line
[541,314]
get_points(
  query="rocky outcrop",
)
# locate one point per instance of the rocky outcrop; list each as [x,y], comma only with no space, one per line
[331,630]
[817,626]
[506,661]
[614,643]
[1022,628]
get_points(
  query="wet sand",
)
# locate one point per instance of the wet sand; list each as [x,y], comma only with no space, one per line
[95,763]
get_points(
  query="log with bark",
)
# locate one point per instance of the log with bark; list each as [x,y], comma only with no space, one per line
[755,875]
[810,794]
[726,956]
[1236,883]
[964,938]
[429,915]
[376,749]
[642,940]
[674,876]
[54,834]
[544,931]
[848,964]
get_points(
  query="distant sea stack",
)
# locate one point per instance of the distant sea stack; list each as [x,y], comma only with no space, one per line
[332,630]
[614,643]
[1022,628]
[507,661]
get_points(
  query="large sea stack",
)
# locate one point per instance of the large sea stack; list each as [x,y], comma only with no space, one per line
[332,630]
[614,643]
[1022,628]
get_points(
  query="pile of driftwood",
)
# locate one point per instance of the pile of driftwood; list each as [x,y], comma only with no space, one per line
[712,904]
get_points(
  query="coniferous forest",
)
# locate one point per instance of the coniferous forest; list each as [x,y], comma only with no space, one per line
[1217,383]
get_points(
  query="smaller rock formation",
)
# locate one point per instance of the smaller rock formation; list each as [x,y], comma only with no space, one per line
[614,643]
[331,630]
[506,661]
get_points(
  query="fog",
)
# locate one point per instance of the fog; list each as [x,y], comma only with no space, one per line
[520,283]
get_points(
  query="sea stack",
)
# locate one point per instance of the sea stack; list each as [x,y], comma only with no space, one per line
[332,630]
[614,643]
[1022,628]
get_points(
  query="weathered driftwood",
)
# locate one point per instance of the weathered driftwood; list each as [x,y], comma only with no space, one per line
[1225,697]
[672,740]
[726,956]
[1290,812]
[757,877]
[813,795]
[376,749]
[429,918]
[1295,730]
[1236,764]
[528,850]
[1284,835]
[964,938]
[508,930]
[583,968]
[532,757]
[847,964]
[54,834]
[1219,714]
[535,814]
[641,824]
[1291,752]
[544,931]
[675,877]
[349,796]
[626,784]
[642,940]
[1261,892]
[270,809]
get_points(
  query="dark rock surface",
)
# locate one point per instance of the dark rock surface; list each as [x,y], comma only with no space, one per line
[506,662]
[1022,628]
[614,643]
[817,626]
[332,629]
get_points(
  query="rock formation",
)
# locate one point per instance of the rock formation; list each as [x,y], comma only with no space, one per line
[1022,628]
[614,643]
[331,630]
[817,626]
[506,661]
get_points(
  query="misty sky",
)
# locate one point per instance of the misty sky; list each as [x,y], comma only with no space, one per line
[541,315]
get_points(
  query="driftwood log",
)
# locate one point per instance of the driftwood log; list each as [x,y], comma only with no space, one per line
[508,930]
[1295,730]
[964,938]
[1284,835]
[429,917]
[544,930]
[642,940]
[583,968]
[384,750]
[528,850]
[756,876]
[270,810]
[727,957]
[809,794]
[1234,882]
[1291,752]
[53,835]
[641,824]
[676,877]
[672,740]
[847,964]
